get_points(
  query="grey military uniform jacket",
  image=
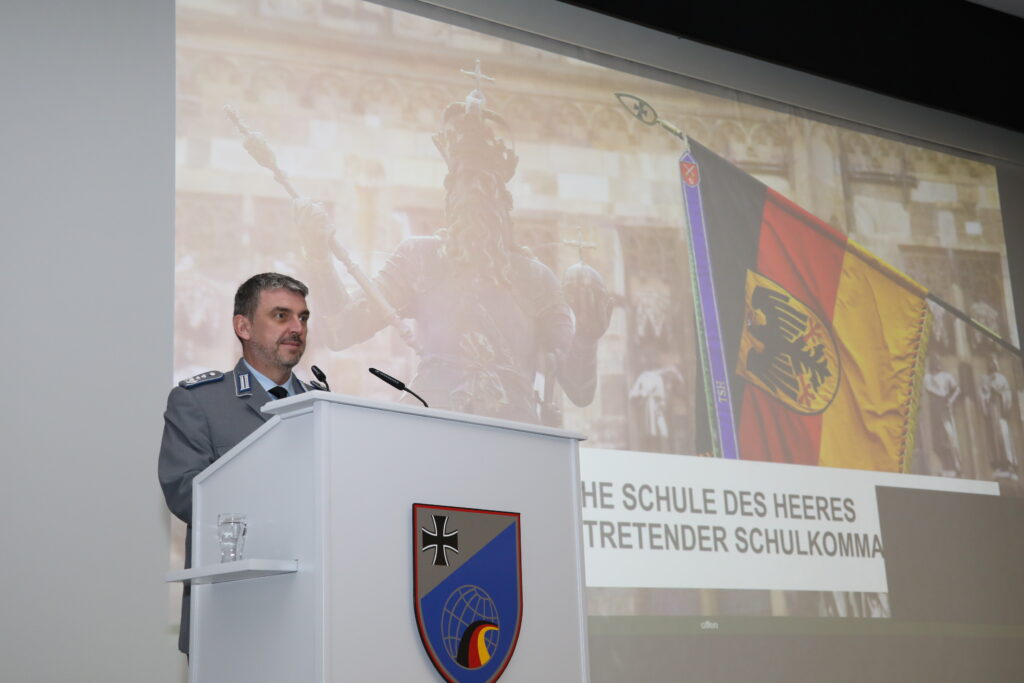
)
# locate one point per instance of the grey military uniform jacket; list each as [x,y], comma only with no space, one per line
[206,416]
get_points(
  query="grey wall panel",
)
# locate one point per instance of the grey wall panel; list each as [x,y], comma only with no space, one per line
[87,177]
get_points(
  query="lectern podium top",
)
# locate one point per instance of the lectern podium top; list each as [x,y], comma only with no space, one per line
[303,402]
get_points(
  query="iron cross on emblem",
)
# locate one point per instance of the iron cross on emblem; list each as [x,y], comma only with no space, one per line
[467,589]
[440,540]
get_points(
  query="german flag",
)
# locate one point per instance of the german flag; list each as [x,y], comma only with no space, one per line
[812,348]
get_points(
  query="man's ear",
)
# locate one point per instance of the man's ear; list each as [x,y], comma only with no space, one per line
[243,327]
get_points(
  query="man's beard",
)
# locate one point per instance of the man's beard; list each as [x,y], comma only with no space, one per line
[278,357]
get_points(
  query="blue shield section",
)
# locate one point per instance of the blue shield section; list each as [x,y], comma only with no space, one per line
[469,622]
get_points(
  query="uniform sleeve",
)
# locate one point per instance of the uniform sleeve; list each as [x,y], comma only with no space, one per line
[185,451]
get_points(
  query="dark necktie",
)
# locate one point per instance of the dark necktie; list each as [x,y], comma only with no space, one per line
[278,392]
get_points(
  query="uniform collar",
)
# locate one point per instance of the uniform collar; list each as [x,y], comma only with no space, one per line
[247,378]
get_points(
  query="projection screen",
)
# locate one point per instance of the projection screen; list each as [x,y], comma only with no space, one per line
[757,314]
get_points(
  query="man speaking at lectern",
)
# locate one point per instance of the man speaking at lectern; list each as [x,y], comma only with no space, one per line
[211,412]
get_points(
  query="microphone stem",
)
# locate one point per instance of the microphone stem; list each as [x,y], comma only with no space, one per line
[417,396]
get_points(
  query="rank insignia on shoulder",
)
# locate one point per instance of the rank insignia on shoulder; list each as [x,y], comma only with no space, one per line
[201,378]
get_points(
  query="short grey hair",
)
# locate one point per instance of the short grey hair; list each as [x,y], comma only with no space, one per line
[248,295]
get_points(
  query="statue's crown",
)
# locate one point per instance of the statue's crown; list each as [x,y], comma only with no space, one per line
[472,138]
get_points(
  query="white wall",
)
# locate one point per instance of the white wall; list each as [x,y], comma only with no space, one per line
[86,218]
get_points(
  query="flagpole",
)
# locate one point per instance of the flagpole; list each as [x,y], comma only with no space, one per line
[712,349]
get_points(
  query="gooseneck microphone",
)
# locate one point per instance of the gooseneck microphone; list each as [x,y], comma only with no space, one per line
[321,377]
[396,383]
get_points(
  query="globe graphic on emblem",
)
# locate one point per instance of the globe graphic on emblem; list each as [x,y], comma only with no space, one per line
[469,626]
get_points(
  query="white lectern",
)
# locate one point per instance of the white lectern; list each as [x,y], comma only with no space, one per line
[326,590]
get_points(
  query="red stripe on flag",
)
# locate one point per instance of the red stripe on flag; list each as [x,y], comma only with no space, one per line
[805,257]
[770,431]
[802,254]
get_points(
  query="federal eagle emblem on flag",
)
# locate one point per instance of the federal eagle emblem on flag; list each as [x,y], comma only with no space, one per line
[786,349]
[467,589]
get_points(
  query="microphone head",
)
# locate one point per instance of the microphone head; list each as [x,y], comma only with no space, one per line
[397,384]
[321,377]
[318,373]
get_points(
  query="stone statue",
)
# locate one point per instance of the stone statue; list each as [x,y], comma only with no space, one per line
[489,317]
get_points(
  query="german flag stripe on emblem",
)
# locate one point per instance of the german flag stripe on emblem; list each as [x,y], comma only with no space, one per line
[821,343]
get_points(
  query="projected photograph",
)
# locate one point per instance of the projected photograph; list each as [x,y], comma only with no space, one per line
[754,314]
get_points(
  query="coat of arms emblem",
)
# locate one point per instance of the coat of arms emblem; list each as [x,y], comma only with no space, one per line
[467,589]
[786,349]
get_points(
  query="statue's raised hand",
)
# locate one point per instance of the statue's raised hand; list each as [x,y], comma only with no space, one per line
[313,224]
[587,294]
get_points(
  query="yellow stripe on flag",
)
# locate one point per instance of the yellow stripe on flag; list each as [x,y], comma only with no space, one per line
[881,322]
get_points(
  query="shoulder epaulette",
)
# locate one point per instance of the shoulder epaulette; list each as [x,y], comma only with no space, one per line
[201,378]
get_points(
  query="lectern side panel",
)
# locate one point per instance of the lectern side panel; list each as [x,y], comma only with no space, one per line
[263,629]
[380,464]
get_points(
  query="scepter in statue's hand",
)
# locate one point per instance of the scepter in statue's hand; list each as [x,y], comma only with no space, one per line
[259,149]
[312,215]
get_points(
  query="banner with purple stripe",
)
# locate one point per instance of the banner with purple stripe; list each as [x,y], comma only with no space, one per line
[709,330]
